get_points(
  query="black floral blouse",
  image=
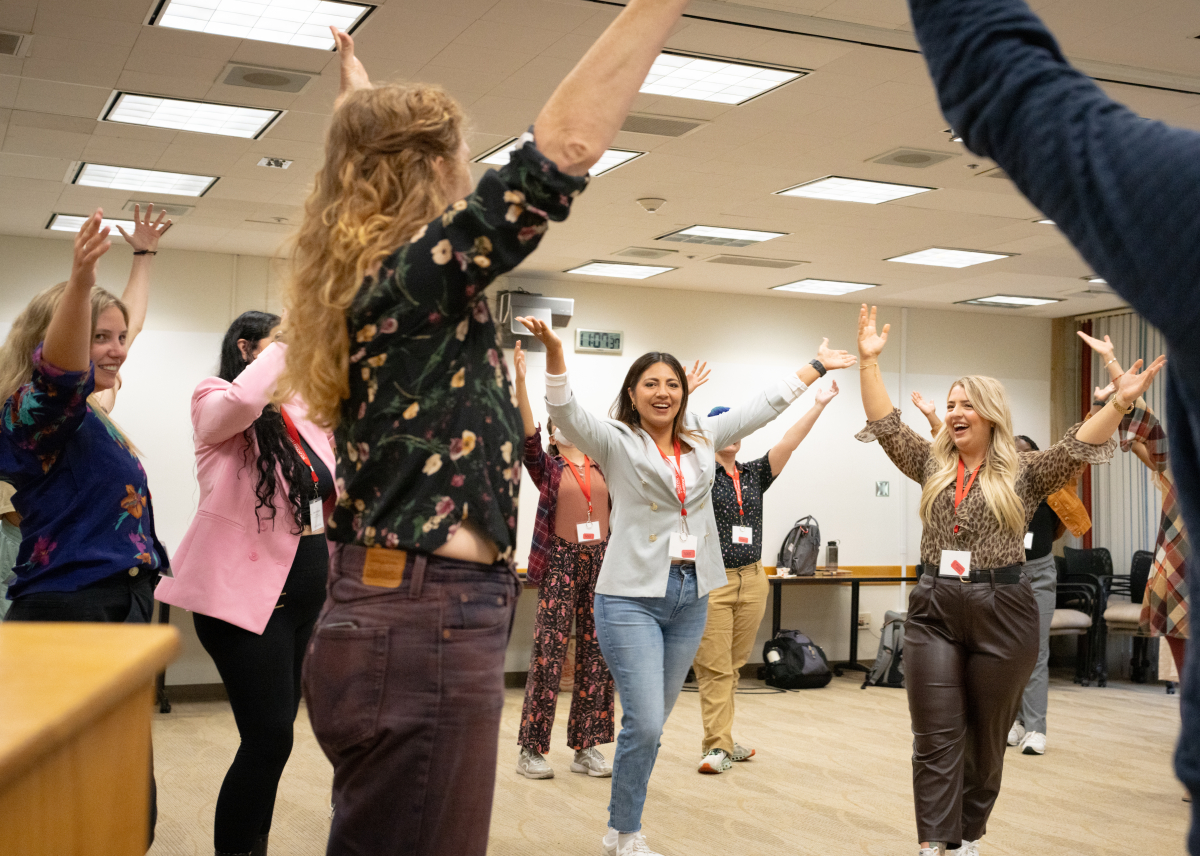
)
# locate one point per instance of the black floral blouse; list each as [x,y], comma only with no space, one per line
[430,435]
[756,478]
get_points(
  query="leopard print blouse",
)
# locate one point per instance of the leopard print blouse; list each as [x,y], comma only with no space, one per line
[991,545]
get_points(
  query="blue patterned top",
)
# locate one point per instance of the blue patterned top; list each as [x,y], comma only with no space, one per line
[81,491]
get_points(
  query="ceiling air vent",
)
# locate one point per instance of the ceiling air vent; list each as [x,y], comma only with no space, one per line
[274,79]
[750,261]
[660,126]
[645,253]
[914,158]
[170,209]
[14,44]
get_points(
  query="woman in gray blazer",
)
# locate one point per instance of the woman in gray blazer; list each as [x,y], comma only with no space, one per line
[663,555]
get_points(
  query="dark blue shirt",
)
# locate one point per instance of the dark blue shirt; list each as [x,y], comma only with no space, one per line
[81,492]
[755,477]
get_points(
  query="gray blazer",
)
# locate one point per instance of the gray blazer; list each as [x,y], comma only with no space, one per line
[645,507]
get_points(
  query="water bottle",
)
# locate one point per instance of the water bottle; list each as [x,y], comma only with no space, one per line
[772,656]
[831,556]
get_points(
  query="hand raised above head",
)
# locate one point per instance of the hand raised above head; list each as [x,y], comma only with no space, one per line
[354,75]
[1102,394]
[90,244]
[1132,384]
[1104,349]
[832,359]
[697,376]
[146,232]
[925,405]
[519,365]
[542,332]
[824,396]
[870,339]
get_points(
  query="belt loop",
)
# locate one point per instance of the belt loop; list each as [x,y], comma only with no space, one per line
[992,575]
[418,576]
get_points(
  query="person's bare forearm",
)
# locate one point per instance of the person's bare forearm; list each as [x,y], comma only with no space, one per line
[876,401]
[68,342]
[583,115]
[527,420]
[136,296]
[782,451]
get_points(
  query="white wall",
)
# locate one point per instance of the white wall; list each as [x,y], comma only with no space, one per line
[746,341]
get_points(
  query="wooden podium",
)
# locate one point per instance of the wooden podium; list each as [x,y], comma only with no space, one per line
[76,702]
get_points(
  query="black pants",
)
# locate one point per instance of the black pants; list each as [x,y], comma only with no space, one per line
[118,599]
[262,677]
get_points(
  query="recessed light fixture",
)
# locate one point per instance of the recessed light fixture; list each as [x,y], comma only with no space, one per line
[720,236]
[610,160]
[304,23]
[275,163]
[835,188]
[200,117]
[74,222]
[621,270]
[1010,301]
[147,180]
[1096,280]
[939,257]
[824,286]
[703,79]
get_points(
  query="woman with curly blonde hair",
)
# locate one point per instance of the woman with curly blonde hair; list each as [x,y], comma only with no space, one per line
[971,637]
[395,351]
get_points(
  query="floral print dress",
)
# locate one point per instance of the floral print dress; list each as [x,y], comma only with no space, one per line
[81,491]
[430,435]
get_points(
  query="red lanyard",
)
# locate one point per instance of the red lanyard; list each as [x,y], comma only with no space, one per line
[680,485]
[585,483]
[960,492]
[737,487]
[295,435]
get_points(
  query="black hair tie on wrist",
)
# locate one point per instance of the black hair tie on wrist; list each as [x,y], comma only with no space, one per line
[145,252]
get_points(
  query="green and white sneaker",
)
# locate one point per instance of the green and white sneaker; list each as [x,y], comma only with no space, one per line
[741,753]
[716,761]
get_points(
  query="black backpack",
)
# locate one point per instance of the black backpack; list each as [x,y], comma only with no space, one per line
[798,554]
[798,662]
[888,670]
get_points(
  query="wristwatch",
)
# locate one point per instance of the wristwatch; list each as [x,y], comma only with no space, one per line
[819,366]
[1122,410]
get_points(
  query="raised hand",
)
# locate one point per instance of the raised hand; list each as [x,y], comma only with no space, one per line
[354,76]
[1132,384]
[542,332]
[519,366]
[925,405]
[824,396]
[1104,349]
[870,340]
[1101,394]
[146,232]
[90,244]
[697,376]
[832,359]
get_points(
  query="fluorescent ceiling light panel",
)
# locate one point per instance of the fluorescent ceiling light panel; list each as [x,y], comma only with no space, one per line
[720,236]
[717,80]
[823,286]
[836,188]
[938,257]
[304,23]
[1097,280]
[620,269]
[74,222]
[147,180]
[610,160]
[197,116]
[1045,222]
[1011,301]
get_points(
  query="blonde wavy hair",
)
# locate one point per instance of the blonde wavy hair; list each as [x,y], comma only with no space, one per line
[382,181]
[998,478]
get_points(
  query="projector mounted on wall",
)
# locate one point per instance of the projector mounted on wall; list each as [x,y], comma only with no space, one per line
[510,305]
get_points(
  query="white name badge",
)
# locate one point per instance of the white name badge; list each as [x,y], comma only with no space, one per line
[1028,540]
[743,535]
[955,563]
[316,516]
[684,546]
[588,531]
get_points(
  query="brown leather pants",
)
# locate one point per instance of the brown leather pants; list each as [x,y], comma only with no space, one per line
[969,649]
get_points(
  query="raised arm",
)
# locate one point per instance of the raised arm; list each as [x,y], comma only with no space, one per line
[144,240]
[1130,387]
[519,369]
[876,401]
[221,410]
[781,452]
[929,407]
[68,343]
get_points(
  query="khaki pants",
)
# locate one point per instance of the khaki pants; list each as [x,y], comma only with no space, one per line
[734,612]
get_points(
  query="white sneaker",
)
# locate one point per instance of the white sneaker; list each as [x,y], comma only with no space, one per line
[590,761]
[1034,743]
[741,753]
[1016,734]
[635,846]
[935,848]
[532,765]
[716,761]
[969,848]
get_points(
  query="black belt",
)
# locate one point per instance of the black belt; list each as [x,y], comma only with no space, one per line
[995,576]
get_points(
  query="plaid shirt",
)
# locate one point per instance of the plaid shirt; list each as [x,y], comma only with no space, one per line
[546,473]
[1141,424]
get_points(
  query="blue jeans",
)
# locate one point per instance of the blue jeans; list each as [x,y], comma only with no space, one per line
[649,644]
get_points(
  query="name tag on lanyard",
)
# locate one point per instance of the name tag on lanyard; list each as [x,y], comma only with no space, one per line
[740,534]
[589,531]
[743,535]
[316,508]
[316,515]
[683,543]
[684,546]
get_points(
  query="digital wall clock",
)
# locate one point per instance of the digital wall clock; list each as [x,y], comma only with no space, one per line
[599,341]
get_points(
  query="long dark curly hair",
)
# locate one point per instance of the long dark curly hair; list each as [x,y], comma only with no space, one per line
[275,447]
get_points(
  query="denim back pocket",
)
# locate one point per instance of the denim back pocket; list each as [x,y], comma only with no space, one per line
[343,680]
[475,611]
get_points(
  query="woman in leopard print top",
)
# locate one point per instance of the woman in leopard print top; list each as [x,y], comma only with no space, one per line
[971,637]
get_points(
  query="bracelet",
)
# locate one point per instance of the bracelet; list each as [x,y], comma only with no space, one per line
[145,252]
[866,365]
[1109,363]
[819,366]
[1117,407]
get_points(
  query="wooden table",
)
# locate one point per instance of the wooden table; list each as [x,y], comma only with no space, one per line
[75,707]
[855,580]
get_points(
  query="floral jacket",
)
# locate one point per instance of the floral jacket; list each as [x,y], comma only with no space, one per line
[430,435]
[81,491]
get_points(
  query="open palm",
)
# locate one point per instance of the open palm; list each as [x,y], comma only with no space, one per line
[870,339]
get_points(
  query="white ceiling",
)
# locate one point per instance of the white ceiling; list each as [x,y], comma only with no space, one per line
[868,94]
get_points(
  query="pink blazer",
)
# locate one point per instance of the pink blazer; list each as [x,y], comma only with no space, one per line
[225,567]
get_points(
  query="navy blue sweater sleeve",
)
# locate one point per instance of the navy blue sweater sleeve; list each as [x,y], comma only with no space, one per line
[1123,189]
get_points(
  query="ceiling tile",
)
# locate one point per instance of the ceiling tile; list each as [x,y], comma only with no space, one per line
[67,99]
[22,139]
[244,189]
[183,43]
[302,127]
[546,14]
[151,83]
[8,90]
[26,166]
[17,15]
[52,122]
[123,150]
[55,23]
[287,57]
[166,64]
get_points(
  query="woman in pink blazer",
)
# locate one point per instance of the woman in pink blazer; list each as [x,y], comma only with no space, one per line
[253,564]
